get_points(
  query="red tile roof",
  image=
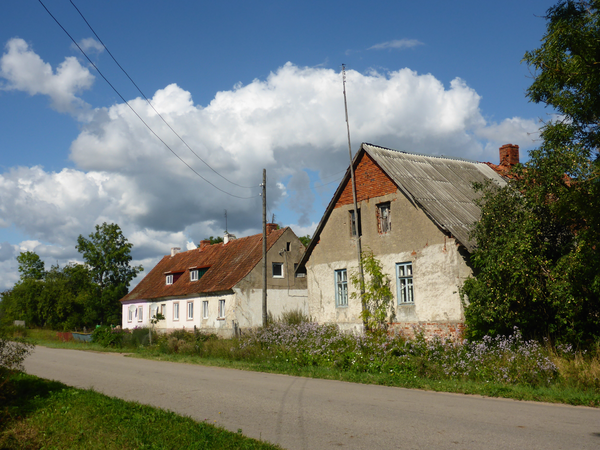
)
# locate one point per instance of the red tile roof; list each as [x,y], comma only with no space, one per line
[229,264]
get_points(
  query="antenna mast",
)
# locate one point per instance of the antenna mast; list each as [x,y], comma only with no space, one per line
[226,221]
[356,217]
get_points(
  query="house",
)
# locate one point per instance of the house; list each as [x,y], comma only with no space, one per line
[218,288]
[414,214]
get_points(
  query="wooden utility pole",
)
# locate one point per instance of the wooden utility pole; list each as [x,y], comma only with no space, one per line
[356,218]
[264,247]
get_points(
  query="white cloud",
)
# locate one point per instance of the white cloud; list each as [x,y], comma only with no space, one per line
[89,45]
[397,44]
[288,123]
[25,71]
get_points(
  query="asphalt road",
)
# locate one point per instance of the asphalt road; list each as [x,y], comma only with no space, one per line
[304,413]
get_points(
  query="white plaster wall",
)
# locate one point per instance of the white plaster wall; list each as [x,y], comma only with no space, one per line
[438,271]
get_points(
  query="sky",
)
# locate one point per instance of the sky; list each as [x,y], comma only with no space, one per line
[235,87]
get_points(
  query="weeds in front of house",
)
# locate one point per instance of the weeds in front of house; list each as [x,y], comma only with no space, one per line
[47,414]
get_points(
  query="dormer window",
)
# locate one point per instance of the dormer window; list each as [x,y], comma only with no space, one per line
[193,275]
[197,273]
[169,279]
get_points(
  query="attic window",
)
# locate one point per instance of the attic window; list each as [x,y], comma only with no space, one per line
[353,223]
[384,219]
[277,270]
[196,274]
[169,279]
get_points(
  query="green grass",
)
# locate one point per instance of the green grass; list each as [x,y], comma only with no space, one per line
[37,413]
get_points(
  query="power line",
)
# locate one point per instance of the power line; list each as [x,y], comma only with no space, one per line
[150,103]
[133,110]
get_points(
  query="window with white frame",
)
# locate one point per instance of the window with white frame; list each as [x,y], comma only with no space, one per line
[169,279]
[140,313]
[176,311]
[277,270]
[190,310]
[205,309]
[221,309]
[193,275]
[130,315]
[384,219]
[163,309]
[404,279]
[341,287]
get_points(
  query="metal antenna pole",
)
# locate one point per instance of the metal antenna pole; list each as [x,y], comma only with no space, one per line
[356,218]
[226,222]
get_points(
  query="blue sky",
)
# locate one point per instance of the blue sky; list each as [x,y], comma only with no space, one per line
[247,85]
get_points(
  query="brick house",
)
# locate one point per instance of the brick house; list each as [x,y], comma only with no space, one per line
[414,214]
[218,288]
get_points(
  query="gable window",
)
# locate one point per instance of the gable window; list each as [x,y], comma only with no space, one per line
[190,310]
[384,219]
[205,309]
[221,309]
[193,275]
[341,287]
[130,315]
[288,246]
[170,279]
[277,270]
[176,311]
[140,313]
[353,223]
[404,279]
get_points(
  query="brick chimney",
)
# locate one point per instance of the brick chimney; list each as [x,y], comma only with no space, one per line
[203,244]
[271,227]
[509,155]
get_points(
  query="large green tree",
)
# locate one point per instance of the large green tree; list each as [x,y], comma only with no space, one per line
[107,255]
[537,260]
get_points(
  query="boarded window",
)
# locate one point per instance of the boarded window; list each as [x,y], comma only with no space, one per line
[384,218]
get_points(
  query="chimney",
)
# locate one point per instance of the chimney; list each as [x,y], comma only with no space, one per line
[271,227]
[203,244]
[174,251]
[509,155]
[228,237]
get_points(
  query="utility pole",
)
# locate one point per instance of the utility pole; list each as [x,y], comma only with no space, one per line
[264,247]
[356,218]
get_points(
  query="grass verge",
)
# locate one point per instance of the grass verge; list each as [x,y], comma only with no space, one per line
[42,414]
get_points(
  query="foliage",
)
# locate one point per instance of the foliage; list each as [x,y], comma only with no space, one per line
[305,240]
[537,261]
[13,352]
[107,336]
[294,317]
[107,255]
[31,266]
[215,240]
[377,298]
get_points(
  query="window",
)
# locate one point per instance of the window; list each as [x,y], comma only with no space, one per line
[190,310]
[205,309]
[288,246]
[175,311]
[163,309]
[353,223]
[384,219]
[221,309]
[277,270]
[140,313]
[404,275]
[193,275]
[341,288]
[170,279]
[130,315]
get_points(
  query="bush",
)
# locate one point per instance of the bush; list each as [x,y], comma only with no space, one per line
[107,336]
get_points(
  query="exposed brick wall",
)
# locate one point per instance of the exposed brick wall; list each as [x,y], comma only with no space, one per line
[445,330]
[371,182]
[509,155]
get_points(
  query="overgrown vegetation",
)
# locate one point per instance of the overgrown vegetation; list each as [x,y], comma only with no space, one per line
[537,259]
[75,296]
[47,414]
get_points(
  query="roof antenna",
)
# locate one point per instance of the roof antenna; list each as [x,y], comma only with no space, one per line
[356,216]
[226,221]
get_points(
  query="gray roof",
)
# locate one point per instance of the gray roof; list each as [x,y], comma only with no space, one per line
[441,186]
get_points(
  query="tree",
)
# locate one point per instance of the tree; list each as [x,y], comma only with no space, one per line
[107,255]
[31,266]
[377,299]
[537,259]
[305,240]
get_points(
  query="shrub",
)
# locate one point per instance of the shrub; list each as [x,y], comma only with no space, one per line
[107,336]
